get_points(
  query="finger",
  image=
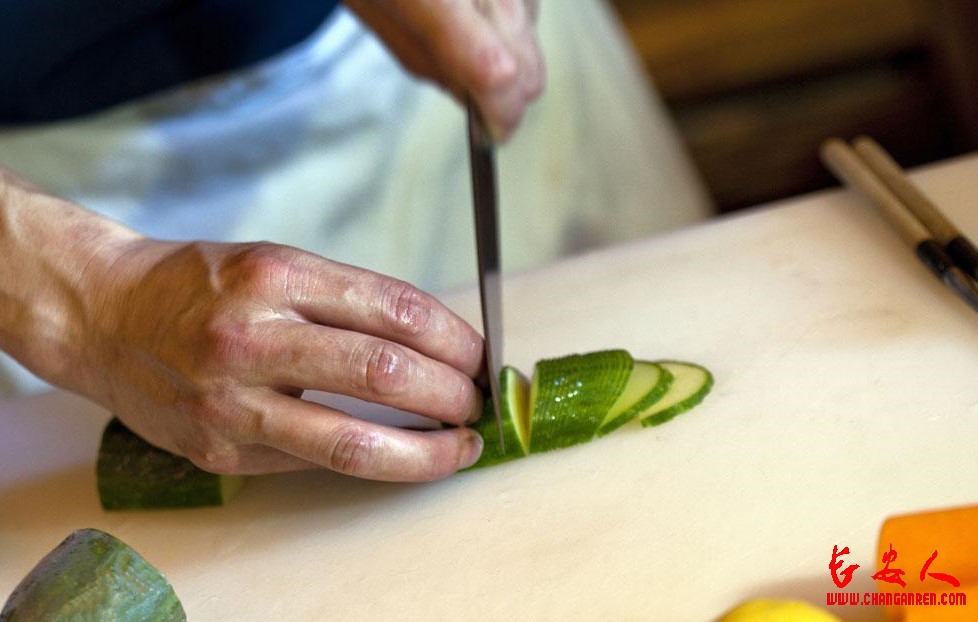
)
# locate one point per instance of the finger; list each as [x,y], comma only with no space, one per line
[514,20]
[481,48]
[368,368]
[471,55]
[262,460]
[366,302]
[412,53]
[468,49]
[344,444]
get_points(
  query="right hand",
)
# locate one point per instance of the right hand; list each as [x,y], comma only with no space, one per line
[484,49]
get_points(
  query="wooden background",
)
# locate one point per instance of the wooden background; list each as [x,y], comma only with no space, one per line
[756,85]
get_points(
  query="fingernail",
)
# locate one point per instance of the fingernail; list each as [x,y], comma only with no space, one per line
[471,450]
[478,407]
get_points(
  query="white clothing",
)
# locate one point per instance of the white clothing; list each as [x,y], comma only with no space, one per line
[331,147]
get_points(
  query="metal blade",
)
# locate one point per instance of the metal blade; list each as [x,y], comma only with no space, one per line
[483,163]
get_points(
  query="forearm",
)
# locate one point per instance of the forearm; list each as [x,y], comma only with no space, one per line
[54,255]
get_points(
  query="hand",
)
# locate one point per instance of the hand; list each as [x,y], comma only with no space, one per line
[483,49]
[204,350]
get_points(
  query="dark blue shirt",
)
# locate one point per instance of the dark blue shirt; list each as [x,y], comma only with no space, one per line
[63,58]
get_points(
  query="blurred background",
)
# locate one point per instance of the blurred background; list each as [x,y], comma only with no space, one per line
[755,85]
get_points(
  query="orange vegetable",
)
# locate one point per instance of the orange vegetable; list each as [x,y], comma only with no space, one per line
[934,550]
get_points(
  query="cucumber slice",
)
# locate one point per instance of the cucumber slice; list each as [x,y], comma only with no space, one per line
[570,396]
[132,474]
[646,385]
[93,576]
[514,389]
[691,383]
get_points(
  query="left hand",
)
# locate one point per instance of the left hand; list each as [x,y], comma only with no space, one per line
[484,49]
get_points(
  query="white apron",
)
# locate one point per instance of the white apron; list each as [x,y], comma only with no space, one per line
[331,147]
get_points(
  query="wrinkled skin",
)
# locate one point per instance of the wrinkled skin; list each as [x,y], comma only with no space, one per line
[204,349]
[235,332]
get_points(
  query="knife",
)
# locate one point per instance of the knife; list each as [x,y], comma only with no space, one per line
[483,164]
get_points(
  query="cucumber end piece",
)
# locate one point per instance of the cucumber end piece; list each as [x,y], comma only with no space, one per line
[231,485]
[133,475]
[93,575]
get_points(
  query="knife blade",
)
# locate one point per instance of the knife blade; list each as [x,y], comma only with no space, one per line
[482,161]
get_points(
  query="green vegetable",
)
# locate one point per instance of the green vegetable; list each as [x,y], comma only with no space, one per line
[514,389]
[573,398]
[93,576]
[690,385]
[132,474]
[646,385]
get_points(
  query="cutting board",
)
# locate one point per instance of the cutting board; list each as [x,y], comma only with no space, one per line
[845,392]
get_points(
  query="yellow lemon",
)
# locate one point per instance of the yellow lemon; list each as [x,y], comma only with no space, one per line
[765,610]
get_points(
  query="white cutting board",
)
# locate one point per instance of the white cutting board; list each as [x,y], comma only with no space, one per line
[845,392]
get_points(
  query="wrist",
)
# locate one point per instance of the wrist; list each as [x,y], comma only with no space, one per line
[57,261]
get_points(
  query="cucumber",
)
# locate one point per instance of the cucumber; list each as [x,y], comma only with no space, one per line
[690,385]
[570,396]
[514,389]
[132,474]
[570,400]
[647,384]
[573,398]
[93,576]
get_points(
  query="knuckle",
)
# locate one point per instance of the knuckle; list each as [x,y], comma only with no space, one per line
[212,455]
[218,460]
[214,421]
[491,68]
[226,343]
[354,451]
[205,411]
[259,267]
[406,310]
[381,367]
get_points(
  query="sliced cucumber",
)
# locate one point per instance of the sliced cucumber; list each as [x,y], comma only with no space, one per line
[570,396]
[691,383]
[647,384]
[514,390]
[573,398]
[132,474]
[93,576]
